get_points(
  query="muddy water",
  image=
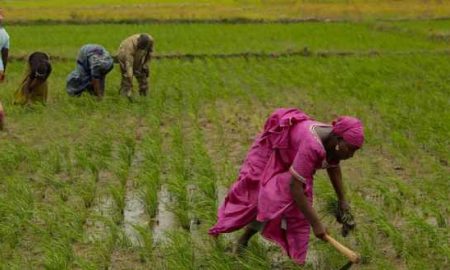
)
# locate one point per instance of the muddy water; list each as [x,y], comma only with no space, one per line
[134,213]
[103,209]
[165,219]
[312,258]
[194,222]
[102,212]
[221,194]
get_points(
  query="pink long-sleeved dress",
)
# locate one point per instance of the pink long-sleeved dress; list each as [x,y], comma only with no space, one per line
[288,146]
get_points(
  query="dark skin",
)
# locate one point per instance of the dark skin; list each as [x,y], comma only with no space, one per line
[98,88]
[337,149]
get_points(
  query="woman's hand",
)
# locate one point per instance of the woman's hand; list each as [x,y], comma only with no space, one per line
[343,205]
[319,231]
[345,217]
[343,214]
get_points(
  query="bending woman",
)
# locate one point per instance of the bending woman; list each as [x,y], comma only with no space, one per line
[34,86]
[274,191]
[93,64]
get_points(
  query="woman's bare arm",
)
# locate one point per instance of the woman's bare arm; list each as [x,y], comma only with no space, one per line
[335,175]
[302,203]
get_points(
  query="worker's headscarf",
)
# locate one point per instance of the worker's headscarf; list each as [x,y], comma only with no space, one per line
[350,129]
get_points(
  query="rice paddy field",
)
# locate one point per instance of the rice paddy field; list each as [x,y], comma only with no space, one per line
[136,185]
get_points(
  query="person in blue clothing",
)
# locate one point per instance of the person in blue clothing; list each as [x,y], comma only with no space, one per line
[4,48]
[93,64]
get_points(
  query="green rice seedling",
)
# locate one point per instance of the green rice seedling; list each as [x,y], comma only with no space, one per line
[58,255]
[202,203]
[145,251]
[13,156]
[118,195]
[87,191]
[16,210]
[127,151]
[149,176]
[181,206]
[177,178]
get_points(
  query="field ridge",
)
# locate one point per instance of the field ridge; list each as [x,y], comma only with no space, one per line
[305,52]
[234,20]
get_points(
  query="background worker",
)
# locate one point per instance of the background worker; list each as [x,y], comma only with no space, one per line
[4,48]
[34,86]
[93,64]
[134,54]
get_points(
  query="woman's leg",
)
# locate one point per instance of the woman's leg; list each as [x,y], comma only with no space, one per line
[250,230]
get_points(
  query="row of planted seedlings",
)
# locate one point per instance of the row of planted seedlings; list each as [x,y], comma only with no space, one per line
[60,188]
[141,190]
[181,241]
[105,216]
[198,247]
[104,193]
[183,245]
[160,163]
[56,173]
[229,121]
[16,199]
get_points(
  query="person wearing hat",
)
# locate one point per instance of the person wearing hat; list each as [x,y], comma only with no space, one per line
[274,190]
[4,48]
[93,64]
[134,54]
[34,86]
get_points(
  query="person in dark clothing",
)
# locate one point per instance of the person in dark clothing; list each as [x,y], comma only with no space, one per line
[34,86]
[93,64]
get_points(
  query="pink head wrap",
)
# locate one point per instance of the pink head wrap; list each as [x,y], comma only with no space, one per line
[350,129]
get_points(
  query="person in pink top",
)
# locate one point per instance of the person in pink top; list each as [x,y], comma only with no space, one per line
[274,190]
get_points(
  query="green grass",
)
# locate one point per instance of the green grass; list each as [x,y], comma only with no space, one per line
[65,40]
[198,123]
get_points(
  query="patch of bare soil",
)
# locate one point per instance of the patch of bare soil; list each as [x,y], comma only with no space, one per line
[165,220]
[127,259]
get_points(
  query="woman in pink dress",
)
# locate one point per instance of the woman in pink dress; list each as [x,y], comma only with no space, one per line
[274,190]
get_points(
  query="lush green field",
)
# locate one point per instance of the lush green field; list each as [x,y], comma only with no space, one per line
[68,168]
[101,10]
[65,40]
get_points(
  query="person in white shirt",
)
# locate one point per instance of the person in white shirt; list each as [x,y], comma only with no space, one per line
[4,48]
